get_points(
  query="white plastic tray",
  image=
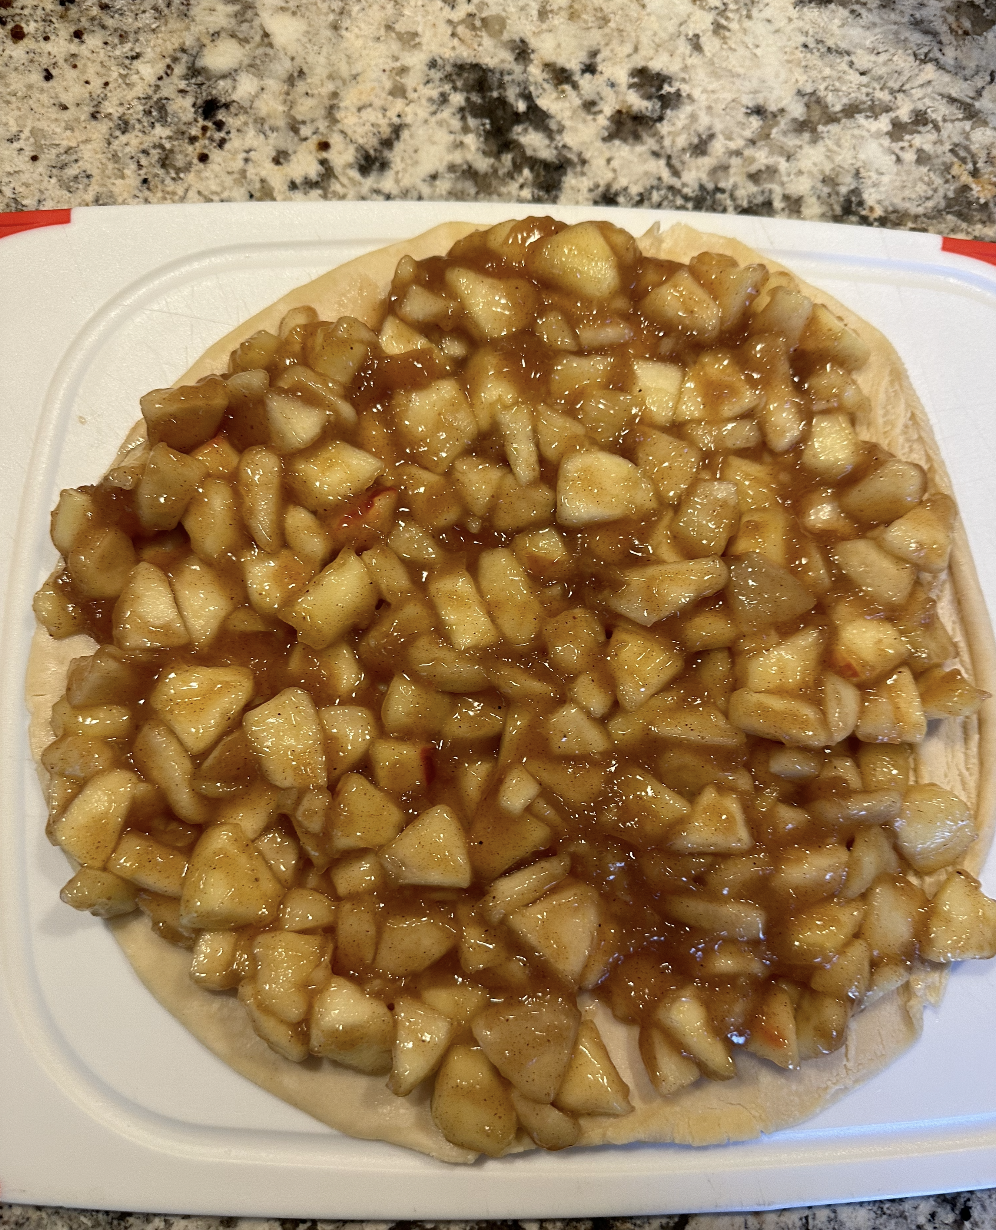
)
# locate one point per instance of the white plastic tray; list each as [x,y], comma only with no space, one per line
[106,1101]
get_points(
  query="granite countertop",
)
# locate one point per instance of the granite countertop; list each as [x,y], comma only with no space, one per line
[881,113]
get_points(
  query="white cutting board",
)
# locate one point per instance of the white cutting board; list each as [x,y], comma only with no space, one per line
[106,1102]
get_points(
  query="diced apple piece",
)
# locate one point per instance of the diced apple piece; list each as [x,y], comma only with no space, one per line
[817,935]
[866,649]
[421,1037]
[707,516]
[683,1016]
[101,893]
[549,1127]
[961,922]
[560,927]
[213,522]
[146,614]
[892,711]
[288,966]
[787,719]
[717,825]
[772,1029]
[363,817]
[529,1042]
[572,732]
[432,850]
[186,417]
[820,1023]
[761,593]
[494,306]
[655,387]
[885,579]
[825,336]
[461,609]
[149,864]
[216,960]
[510,595]
[670,464]
[90,827]
[201,703]
[592,1084]
[893,912]
[789,667]
[593,486]
[521,888]
[470,1104]
[328,474]
[849,976]
[352,1028]
[870,856]
[342,596]
[289,1041]
[681,305]
[739,920]
[293,423]
[168,482]
[923,535]
[162,759]
[306,909]
[833,449]
[947,694]
[434,423]
[578,260]
[654,591]
[934,828]
[228,883]
[286,735]
[889,491]
[411,941]
[349,730]
[339,350]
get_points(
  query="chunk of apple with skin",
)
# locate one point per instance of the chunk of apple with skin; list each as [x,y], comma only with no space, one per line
[146,614]
[471,1105]
[228,883]
[352,1028]
[594,486]
[530,1042]
[342,596]
[421,1038]
[201,703]
[431,851]
[592,1084]
[286,735]
[90,827]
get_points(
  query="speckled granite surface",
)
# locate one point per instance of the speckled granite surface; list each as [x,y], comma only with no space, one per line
[879,113]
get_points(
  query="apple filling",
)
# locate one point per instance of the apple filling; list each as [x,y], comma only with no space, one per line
[563,638]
